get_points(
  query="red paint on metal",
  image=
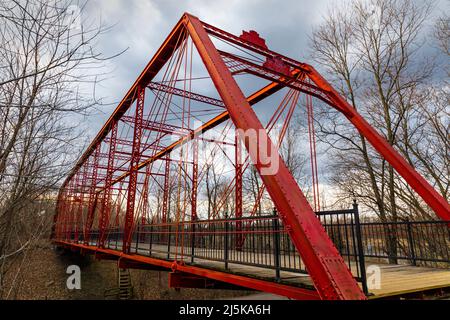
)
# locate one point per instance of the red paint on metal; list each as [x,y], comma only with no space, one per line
[330,275]
[253,37]
[194,180]
[106,205]
[238,189]
[252,283]
[436,202]
[92,204]
[132,180]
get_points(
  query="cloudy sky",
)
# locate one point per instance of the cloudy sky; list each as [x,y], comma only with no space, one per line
[141,26]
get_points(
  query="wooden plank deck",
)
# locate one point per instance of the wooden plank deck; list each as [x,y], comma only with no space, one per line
[395,280]
[404,279]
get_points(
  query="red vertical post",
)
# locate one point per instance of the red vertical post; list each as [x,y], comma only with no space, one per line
[79,193]
[82,198]
[166,197]
[92,197]
[106,206]
[194,179]
[76,199]
[70,211]
[165,206]
[238,191]
[331,276]
[132,182]
[144,201]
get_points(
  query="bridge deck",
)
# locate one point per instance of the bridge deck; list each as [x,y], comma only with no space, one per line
[395,280]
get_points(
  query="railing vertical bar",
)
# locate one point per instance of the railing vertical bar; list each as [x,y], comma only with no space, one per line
[362,263]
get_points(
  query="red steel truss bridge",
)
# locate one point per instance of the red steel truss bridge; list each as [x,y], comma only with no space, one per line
[143,191]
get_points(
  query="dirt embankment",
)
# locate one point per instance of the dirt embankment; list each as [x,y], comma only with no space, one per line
[44,276]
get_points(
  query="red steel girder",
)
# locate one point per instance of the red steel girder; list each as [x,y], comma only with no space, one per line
[106,205]
[153,67]
[145,187]
[159,127]
[245,42]
[166,198]
[252,283]
[238,65]
[436,202]
[185,94]
[331,276]
[327,271]
[238,189]
[439,205]
[92,197]
[194,180]
[324,91]
[145,146]
[224,116]
[135,157]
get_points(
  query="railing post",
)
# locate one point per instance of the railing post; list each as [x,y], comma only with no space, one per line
[137,236]
[411,242]
[276,234]
[151,240]
[362,263]
[117,237]
[168,242]
[226,242]
[192,242]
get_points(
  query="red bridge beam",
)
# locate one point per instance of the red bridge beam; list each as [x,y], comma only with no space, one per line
[152,68]
[186,94]
[331,276]
[224,116]
[252,283]
[436,202]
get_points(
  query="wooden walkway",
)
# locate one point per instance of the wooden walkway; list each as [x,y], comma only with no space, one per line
[399,280]
[395,280]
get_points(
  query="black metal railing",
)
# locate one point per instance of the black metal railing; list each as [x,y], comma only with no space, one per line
[419,243]
[344,229]
[262,241]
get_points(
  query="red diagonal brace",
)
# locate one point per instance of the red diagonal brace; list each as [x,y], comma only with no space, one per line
[439,205]
[326,267]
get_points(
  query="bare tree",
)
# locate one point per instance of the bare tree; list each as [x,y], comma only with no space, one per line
[291,152]
[442,34]
[215,184]
[372,50]
[251,184]
[48,61]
